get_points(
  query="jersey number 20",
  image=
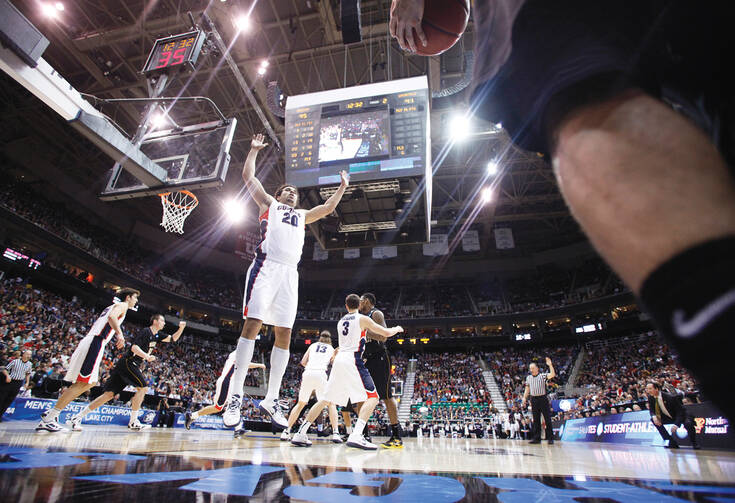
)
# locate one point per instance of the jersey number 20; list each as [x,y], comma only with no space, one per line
[291,219]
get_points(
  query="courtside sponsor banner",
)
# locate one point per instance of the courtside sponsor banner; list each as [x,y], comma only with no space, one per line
[713,429]
[30,409]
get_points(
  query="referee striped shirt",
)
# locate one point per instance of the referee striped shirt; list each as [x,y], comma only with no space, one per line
[18,369]
[537,383]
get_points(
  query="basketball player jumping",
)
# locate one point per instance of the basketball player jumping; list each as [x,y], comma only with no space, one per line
[349,378]
[222,393]
[127,372]
[377,361]
[84,364]
[271,289]
[314,380]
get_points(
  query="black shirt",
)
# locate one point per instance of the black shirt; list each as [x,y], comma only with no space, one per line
[373,347]
[146,341]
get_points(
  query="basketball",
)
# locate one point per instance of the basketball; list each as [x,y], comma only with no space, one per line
[443,23]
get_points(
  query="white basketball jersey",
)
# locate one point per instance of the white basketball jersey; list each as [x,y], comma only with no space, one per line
[282,231]
[351,336]
[319,356]
[102,327]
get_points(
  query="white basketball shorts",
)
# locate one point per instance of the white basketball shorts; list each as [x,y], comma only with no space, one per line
[271,293]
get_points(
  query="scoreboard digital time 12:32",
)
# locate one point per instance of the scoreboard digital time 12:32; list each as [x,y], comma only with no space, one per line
[375,132]
[174,53]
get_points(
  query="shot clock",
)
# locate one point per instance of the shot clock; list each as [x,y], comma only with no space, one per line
[174,53]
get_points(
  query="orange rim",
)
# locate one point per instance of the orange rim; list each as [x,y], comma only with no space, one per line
[165,200]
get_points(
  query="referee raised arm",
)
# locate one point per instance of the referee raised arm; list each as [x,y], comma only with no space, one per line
[536,387]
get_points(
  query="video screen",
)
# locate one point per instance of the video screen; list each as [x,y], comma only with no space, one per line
[354,136]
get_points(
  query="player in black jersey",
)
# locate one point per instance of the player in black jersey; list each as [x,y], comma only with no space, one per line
[127,372]
[377,361]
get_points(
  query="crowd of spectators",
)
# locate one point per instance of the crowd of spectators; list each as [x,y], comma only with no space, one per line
[614,376]
[449,378]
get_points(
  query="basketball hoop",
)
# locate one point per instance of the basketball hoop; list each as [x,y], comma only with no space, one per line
[176,207]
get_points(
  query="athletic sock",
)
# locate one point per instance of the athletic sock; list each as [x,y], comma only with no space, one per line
[359,426]
[243,357]
[395,430]
[52,414]
[348,429]
[195,415]
[304,427]
[279,362]
[133,416]
[691,299]
[83,412]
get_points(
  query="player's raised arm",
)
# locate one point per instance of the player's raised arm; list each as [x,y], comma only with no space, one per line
[175,336]
[321,211]
[248,173]
[369,325]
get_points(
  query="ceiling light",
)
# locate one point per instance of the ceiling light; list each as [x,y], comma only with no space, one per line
[492,168]
[159,120]
[459,127]
[49,10]
[59,6]
[261,70]
[487,195]
[264,63]
[242,23]
[234,210]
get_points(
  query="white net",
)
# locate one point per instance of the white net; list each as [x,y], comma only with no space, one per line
[176,207]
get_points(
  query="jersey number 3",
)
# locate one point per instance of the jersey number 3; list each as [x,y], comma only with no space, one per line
[291,219]
[346,328]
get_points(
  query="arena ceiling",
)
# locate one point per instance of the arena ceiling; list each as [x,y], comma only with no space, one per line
[99,46]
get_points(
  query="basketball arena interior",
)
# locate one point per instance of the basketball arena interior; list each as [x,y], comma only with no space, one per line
[125,128]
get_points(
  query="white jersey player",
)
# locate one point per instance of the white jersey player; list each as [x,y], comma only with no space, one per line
[314,380]
[84,364]
[271,289]
[223,391]
[349,379]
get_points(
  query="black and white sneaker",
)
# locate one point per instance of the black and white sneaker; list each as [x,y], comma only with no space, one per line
[273,409]
[51,425]
[240,431]
[359,442]
[188,421]
[231,417]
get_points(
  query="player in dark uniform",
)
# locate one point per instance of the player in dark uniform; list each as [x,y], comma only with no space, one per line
[377,361]
[127,372]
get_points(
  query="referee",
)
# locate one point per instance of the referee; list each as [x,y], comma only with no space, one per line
[12,377]
[536,387]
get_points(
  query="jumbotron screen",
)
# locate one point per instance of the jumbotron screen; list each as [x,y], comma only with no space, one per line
[374,132]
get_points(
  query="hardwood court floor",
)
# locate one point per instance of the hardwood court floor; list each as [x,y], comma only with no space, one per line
[113,464]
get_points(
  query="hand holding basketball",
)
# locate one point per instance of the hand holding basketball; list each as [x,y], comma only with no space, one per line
[438,24]
[258,142]
[405,17]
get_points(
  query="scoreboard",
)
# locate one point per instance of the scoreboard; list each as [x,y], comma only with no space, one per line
[374,132]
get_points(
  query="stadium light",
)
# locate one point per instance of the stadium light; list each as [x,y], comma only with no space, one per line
[492,168]
[261,70]
[234,210]
[242,23]
[487,195]
[264,63]
[49,10]
[459,127]
[59,6]
[159,120]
